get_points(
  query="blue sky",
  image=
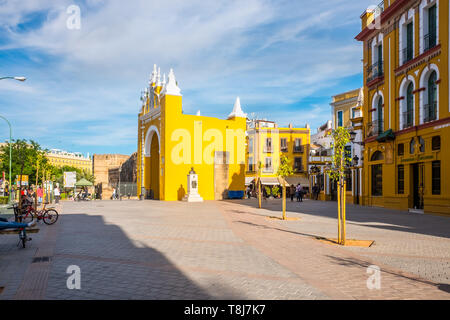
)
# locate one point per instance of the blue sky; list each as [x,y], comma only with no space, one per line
[284,59]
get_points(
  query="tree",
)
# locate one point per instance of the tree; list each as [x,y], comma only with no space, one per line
[24,158]
[284,170]
[341,137]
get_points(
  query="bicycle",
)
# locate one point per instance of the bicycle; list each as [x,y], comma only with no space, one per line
[23,237]
[49,216]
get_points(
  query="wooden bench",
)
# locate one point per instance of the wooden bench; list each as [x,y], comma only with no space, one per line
[17,231]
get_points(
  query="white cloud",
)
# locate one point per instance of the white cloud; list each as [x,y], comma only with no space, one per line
[264,51]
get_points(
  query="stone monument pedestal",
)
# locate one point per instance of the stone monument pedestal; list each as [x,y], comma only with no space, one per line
[192,185]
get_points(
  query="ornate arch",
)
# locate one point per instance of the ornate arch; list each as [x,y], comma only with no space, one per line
[148,140]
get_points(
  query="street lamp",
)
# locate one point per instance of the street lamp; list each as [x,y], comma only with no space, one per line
[10,134]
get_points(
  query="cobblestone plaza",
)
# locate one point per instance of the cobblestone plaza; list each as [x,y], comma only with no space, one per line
[227,250]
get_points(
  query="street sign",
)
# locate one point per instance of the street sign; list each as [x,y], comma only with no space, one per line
[70,178]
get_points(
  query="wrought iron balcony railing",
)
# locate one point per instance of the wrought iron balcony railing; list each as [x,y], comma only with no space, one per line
[430,112]
[375,71]
[407,55]
[299,149]
[429,41]
[408,119]
[375,128]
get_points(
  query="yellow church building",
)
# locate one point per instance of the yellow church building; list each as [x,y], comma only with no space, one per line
[171,143]
[406,105]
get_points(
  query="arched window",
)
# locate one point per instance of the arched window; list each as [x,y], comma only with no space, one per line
[422,144]
[380,125]
[431,107]
[377,156]
[409,115]
[412,144]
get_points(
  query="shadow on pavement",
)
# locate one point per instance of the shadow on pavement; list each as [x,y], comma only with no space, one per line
[379,218]
[113,266]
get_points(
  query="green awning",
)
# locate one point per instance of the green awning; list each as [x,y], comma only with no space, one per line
[387,135]
[83,183]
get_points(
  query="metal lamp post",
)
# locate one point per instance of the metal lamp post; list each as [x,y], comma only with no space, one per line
[356,162]
[10,154]
[10,135]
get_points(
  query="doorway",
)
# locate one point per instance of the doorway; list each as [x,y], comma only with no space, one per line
[418,185]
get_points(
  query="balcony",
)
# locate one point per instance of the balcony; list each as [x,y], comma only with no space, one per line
[299,169]
[284,149]
[408,119]
[375,128]
[375,71]
[407,55]
[430,112]
[267,149]
[429,41]
[299,149]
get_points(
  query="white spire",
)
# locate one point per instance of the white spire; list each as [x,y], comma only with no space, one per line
[198,113]
[164,79]
[153,77]
[171,87]
[158,78]
[237,110]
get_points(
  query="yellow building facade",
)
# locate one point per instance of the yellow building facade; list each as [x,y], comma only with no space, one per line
[60,158]
[347,110]
[171,143]
[266,143]
[406,105]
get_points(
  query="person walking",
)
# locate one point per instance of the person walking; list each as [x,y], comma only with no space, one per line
[292,192]
[298,192]
[57,195]
[39,194]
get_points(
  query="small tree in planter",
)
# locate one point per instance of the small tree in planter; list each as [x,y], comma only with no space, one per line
[341,137]
[276,191]
[268,191]
[284,170]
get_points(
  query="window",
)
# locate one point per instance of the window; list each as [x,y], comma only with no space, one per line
[348,154]
[353,113]
[401,179]
[401,149]
[436,143]
[380,125]
[412,145]
[283,145]
[268,147]
[431,107]
[422,144]
[408,51]
[250,145]
[431,38]
[436,177]
[409,115]
[377,156]
[298,164]
[298,148]
[348,180]
[340,119]
[268,164]
[250,164]
[377,180]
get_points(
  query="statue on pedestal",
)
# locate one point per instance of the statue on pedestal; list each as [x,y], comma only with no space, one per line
[192,186]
